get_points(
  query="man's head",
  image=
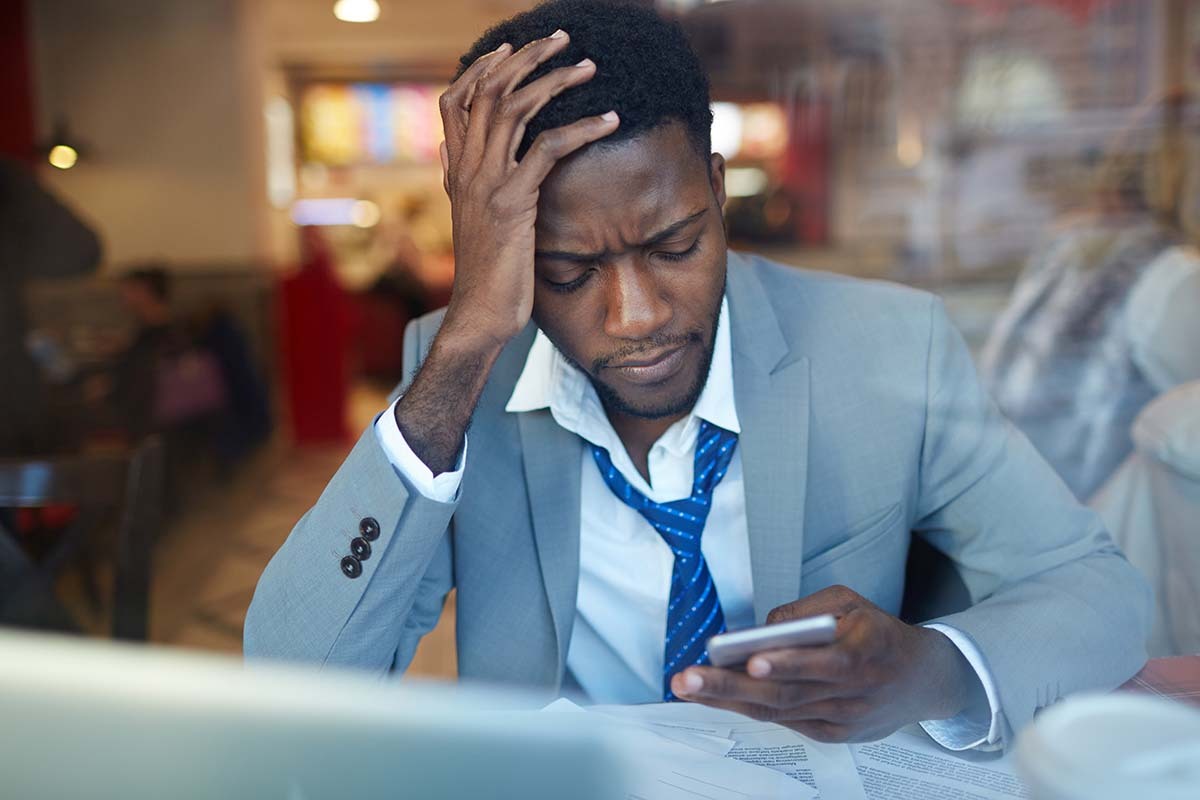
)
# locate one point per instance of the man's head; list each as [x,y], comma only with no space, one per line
[646,71]
[146,292]
[630,264]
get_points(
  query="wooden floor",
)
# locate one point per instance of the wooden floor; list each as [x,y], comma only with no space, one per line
[208,563]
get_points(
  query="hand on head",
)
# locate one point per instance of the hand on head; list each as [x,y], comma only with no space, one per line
[494,197]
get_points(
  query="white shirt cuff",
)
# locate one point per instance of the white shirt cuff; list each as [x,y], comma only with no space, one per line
[441,488]
[964,731]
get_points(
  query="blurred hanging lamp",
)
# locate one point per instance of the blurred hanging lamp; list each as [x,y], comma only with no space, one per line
[61,149]
[356,10]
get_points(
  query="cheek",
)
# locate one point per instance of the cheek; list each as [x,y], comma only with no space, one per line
[696,289]
[564,322]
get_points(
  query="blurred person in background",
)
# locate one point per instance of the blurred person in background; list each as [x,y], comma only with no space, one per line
[163,382]
[196,373]
[315,329]
[39,238]
[1152,502]
[246,422]
[395,298]
[1068,361]
[1152,506]
[145,293]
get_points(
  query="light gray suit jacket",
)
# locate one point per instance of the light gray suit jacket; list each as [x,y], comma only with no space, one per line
[863,425]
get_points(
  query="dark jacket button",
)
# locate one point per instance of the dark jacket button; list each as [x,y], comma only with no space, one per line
[369,528]
[351,567]
[360,548]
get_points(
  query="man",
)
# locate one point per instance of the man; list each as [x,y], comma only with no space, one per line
[668,440]
[146,295]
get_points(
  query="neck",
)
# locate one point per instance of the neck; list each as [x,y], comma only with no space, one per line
[639,435]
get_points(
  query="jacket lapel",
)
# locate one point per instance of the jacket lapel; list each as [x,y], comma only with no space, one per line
[551,457]
[771,389]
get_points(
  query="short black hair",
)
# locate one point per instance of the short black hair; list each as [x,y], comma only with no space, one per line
[154,277]
[645,69]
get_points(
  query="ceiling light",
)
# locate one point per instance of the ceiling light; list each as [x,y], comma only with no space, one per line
[61,149]
[356,10]
[63,156]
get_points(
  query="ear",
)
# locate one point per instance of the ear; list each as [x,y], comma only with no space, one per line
[716,177]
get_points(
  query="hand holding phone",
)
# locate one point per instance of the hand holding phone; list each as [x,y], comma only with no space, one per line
[735,649]
[877,675]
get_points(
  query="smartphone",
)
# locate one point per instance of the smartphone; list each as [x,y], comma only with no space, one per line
[734,649]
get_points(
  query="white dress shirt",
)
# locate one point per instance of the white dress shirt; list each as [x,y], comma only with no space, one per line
[616,649]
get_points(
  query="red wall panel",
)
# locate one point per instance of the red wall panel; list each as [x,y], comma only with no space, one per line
[16,82]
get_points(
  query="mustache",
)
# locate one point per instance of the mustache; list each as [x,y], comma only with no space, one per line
[656,342]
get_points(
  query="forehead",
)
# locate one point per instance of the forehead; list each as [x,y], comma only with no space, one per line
[604,198]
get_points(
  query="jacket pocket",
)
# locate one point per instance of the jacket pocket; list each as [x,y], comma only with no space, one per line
[861,534]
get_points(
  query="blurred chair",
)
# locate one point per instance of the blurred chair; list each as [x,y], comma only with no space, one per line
[1152,507]
[101,489]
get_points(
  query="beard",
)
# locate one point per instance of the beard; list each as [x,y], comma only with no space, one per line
[665,406]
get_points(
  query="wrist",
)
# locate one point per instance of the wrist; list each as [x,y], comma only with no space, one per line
[465,334]
[435,411]
[948,675]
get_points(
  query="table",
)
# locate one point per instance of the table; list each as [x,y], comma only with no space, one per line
[1177,678]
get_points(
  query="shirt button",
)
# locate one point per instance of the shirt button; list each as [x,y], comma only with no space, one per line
[369,528]
[360,548]
[351,567]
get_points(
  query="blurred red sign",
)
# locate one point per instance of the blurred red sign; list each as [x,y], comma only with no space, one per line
[1080,10]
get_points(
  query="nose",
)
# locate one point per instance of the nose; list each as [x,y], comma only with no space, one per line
[635,307]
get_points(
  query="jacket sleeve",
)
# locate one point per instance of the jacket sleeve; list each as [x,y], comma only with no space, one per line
[1056,608]
[306,609]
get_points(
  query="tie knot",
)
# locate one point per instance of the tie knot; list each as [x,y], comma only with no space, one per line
[680,522]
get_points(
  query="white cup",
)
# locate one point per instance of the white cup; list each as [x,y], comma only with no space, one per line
[1110,747]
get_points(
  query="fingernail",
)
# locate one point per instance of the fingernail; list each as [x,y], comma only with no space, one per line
[558,34]
[759,668]
[587,62]
[609,116]
[692,682]
[502,47]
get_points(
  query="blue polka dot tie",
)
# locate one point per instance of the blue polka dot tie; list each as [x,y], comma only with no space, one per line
[694,610]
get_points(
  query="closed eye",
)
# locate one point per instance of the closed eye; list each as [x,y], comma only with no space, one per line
[680,256]
[571,285]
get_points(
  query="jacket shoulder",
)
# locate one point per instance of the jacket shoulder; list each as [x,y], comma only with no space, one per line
[789,284]
[822,310]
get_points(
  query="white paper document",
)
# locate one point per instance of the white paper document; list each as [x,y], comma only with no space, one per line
[828,768]
[686,750]
[814,769]
[909,766]
[662,768]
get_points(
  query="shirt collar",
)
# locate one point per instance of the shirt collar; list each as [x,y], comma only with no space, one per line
[548,380]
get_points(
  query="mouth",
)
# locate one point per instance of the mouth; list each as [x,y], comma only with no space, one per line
[652,368]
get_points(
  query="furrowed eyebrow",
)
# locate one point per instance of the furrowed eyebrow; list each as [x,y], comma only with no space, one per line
[591,258]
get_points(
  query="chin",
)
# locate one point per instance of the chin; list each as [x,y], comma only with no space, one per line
[654,402]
